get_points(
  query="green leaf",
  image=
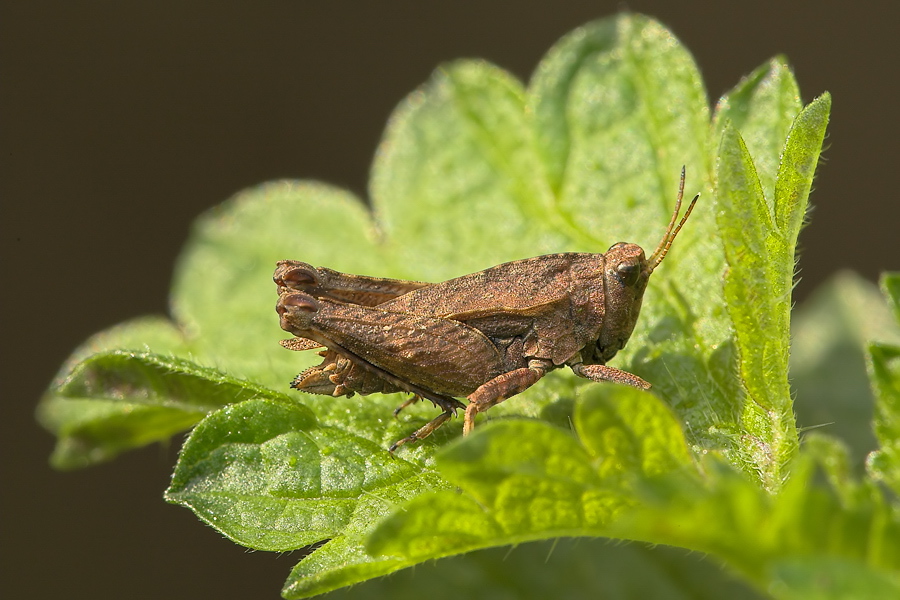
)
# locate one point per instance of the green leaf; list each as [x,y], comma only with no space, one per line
[831,332]
[522,480]
[526,480]
[118,400]
[519,489]
[635,435]
[822,578]
[762,107]
[795,174]
[884,372]
[890,283]
[263,472]
[268,476]
[759,243]
[223,296]
[761,535]
[486,184]
[607,99]
[563,568]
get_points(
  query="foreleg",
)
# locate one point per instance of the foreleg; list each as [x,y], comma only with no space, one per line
[601,373]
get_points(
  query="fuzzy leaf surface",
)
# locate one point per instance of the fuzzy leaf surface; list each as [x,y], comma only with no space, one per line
[267,475]
[831,332]
[884,372]
[549,483]
[117,400]
[759,239]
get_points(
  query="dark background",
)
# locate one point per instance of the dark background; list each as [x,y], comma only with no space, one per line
[123,121]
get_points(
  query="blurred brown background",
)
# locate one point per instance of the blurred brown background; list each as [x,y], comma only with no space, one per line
[123,121]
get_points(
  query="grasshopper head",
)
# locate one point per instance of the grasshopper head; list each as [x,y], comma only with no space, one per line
[625,276]
[626,273]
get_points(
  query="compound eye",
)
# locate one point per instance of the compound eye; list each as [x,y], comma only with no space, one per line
[629,272]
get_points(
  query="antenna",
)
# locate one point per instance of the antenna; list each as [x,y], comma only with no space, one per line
[671,230]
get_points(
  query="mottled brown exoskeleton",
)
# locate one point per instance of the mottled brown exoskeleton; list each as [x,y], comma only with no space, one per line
[486,336]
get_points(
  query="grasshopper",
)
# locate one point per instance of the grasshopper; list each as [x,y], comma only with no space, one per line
[486,336]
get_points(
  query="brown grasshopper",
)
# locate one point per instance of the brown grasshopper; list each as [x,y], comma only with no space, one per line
[487,336]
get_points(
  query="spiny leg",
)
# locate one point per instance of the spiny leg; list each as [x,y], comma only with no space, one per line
[412,400]
[424,431]
[500,388]
[450,406]
[601,373]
